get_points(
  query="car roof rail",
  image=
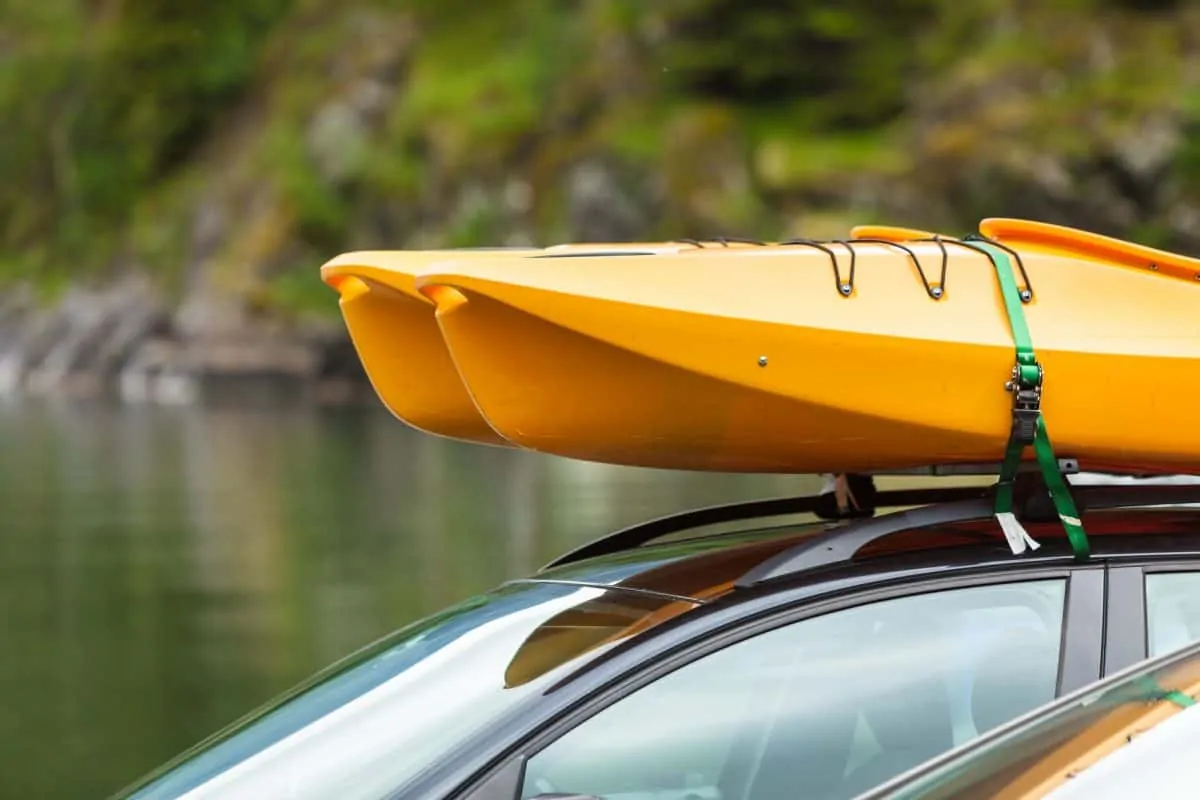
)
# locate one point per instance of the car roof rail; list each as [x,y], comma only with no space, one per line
[646,532]
[841,544]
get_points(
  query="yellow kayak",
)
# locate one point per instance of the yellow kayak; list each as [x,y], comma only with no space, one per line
[394,332]
[800,358]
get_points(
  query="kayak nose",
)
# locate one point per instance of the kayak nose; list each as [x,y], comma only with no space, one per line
[445,298]
[348,287]
[394,330]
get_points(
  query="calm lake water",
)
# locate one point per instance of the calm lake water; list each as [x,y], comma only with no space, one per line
[165,570]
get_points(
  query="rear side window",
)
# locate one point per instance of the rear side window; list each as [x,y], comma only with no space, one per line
[826,707]
[1172,611]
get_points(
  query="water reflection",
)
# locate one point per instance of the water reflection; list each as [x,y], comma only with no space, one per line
[164,570]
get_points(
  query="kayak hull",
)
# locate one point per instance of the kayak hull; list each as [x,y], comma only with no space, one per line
[558,391]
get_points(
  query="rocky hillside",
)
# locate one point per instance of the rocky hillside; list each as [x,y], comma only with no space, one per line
[173,174]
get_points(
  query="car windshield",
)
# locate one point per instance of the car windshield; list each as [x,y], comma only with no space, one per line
[371,723]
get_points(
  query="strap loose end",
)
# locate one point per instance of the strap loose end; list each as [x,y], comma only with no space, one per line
[1015,534]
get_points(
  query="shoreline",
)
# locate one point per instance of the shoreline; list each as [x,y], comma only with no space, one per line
[122,341]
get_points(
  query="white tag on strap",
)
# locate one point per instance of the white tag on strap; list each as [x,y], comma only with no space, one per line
[1018,538]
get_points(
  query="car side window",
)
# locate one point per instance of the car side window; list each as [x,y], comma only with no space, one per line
[1172,611]
[825,707]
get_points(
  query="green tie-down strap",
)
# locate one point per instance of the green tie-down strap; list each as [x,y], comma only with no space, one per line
[1029,427]
[1179,698]
[1147,690]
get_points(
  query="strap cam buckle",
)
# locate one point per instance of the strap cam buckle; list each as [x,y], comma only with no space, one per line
[1026,388]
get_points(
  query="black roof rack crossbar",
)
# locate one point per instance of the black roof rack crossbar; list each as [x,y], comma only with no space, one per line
[645,532]
[842,544]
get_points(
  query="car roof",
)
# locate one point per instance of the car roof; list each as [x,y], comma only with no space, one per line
[706,567]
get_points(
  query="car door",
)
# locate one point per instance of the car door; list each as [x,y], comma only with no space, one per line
[826,700]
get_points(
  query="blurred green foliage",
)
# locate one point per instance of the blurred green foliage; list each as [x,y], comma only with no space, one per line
[122,117]
[103,100]
[850,60]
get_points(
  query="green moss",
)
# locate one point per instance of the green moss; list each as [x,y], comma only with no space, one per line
[1152,235]
[476,225]
[393,173]
[635,134]
[745,214]
[321,215]
[299,292]
[784,161]
[474,111]
[478,90]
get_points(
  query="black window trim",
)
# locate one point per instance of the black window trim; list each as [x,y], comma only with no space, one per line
[699,636]
[1189,565]
[1082,651]
[1124,617]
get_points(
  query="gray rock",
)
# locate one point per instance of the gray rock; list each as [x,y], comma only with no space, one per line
[600,206]
[337,141]
[1148,149]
